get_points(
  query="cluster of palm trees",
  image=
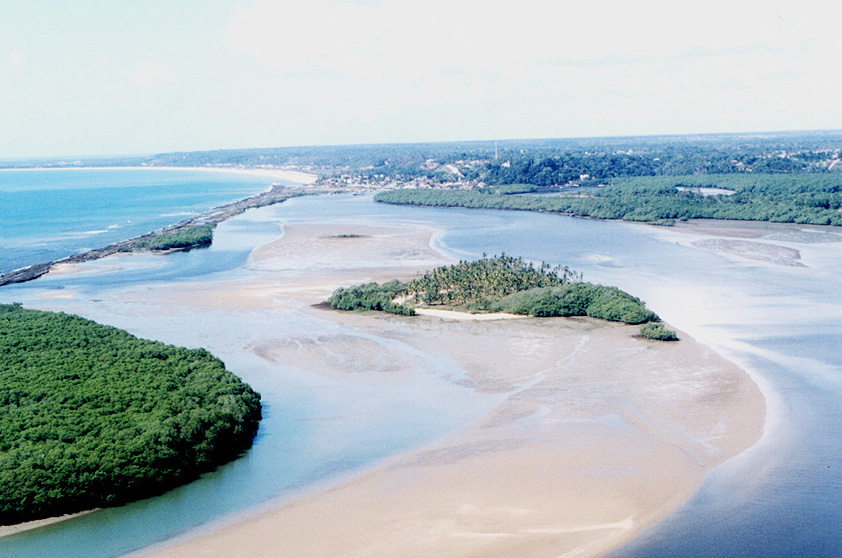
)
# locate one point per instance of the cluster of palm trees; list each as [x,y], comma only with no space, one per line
[477,282]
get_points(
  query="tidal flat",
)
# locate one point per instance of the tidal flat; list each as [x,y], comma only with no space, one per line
[585,434]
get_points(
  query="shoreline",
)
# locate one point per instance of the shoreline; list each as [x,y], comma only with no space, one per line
[274,194]
[459,316]
[8,530]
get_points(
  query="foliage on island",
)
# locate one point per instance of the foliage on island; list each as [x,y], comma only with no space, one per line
[475,285]
[91,416]
[810,199]
[658,332]
[196,236]
[498,284]
[371,296]
[577,299]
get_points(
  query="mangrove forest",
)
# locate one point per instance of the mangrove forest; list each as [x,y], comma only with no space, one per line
[91,416]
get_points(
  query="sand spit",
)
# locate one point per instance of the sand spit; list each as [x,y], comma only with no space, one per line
[759,251]
[595,435]
[275,194]
[773,243]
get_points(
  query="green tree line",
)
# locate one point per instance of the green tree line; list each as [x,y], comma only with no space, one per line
[790,198]
[91,416]
[195,236]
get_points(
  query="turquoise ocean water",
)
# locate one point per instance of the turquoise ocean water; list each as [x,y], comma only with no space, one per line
[50,214]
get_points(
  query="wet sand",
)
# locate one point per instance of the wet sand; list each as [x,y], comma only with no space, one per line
[595,433]
[773,243]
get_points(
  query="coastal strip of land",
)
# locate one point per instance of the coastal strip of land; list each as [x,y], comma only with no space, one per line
[595,434]
[275,194]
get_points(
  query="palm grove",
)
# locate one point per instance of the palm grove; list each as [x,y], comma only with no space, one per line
[504,284]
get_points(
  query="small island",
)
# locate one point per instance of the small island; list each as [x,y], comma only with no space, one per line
[504,284]
[91,416]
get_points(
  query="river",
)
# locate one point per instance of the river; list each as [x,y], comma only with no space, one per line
[783,324]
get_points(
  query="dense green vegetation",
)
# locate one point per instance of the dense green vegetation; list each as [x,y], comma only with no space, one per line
[657,332]
[91,416]
[787,198]
[498,284]
[371,296]
[576,299]
[475,285]
[178,239]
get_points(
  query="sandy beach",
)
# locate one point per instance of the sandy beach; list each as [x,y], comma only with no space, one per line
[594,434]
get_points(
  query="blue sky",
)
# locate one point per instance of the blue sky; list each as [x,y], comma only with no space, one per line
[92,77]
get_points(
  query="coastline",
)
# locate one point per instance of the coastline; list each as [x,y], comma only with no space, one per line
[7,530]
[561,466]
[274,194]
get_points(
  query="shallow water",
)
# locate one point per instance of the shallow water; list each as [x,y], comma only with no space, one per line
[780,498]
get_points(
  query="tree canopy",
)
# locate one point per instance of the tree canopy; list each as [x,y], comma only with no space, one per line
[498,284]
[91,416]
[786,198]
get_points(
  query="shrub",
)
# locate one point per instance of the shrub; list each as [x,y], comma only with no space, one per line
[657,332]
[370,296]
[191,237]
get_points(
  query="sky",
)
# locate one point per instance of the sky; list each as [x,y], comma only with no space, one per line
[109,77]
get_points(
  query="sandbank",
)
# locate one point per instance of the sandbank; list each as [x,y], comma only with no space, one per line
[760,241]
[595,433]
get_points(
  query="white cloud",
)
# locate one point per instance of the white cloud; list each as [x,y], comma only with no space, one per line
[291,34]
[150,73]
[346,37]
[17,58]
[544,68]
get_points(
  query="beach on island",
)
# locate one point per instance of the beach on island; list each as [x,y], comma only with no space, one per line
[591,434]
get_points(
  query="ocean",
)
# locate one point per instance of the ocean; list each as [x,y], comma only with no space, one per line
[46,215]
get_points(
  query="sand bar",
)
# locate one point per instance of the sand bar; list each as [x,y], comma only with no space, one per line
[596,434]
[759,241]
